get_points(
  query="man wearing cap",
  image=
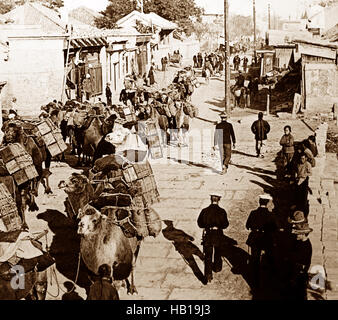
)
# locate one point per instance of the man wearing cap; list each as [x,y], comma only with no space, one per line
[224,136]
[213,220]
[262,225]
[299,257]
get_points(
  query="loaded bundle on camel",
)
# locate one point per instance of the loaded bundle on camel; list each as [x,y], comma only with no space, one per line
[20,252]
[23,161]
[113,207]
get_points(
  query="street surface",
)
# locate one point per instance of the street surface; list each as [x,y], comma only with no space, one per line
[170,266]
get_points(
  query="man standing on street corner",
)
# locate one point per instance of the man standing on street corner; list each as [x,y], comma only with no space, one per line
[260,128]
[224,135]
[213,220]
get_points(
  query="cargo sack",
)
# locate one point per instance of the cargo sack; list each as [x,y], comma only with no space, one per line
[108,163]
[154,222]
[139,220]
[121,217]
[112,199]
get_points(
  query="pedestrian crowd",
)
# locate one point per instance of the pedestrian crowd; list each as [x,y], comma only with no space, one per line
[285,245]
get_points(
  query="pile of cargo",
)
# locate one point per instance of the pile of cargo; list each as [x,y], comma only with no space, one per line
[52,137]
[150,131]
[126,193]
[9,216]
[18,163]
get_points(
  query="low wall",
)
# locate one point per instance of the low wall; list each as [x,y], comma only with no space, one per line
[321,87]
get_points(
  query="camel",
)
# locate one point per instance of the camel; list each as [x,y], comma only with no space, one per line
[161,120]
[103,242]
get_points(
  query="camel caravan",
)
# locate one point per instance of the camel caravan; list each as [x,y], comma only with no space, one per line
[110,203]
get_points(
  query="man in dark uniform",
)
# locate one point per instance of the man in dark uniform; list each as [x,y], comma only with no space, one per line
[262,225]
[213,220]
[224,135]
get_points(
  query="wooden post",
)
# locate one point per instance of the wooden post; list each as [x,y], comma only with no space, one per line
[66,67]
[254,21]
[227,57]
[268,104]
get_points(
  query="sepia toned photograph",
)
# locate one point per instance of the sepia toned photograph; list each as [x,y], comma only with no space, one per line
[169,150]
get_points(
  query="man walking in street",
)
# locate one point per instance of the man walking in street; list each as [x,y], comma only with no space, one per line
[262,225]
[260,128]
[245,64]
[108,94]
[224,136]
[213,220]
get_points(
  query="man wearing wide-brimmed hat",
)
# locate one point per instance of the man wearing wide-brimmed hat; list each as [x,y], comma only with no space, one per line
[213,220]
[299,256]
[224,136]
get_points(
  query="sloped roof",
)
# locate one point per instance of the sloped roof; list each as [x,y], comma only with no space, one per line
[85,15]
[49,20]
[332,34]
[149,19]
[37,14]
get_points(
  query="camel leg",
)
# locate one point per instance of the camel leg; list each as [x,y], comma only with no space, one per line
[131,285]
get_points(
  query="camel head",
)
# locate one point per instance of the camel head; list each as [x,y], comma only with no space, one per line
[90,222]
[76,183]
[13,133]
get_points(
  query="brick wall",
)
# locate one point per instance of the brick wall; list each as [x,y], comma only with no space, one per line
[34,74]
[321,87]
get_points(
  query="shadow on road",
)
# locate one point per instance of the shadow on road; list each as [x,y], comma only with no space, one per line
[190,163]
[65,247]
[184,246]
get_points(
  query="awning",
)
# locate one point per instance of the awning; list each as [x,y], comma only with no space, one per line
[88,42]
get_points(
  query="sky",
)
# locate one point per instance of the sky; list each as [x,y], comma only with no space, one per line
[284,8]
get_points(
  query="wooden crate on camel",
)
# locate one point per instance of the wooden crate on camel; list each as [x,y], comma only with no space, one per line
[126,194]
[52,137]
[149,129]
[9,216]
[141,178]
[18,163]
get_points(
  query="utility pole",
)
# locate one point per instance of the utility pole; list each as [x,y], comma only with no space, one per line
[254,22]
[269,16]
[227,57]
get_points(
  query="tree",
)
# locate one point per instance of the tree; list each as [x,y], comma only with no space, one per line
[327,3]
[116,10]
[105,23]
[240,26]
[6,6]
